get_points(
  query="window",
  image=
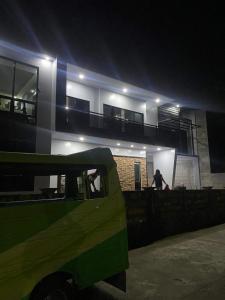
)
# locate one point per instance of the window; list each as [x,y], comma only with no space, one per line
[125,114]
[78,104]
[39,182]
[18,88]
[137,176]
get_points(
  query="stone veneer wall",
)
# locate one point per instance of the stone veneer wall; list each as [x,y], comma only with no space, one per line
[125,168]
[217,180]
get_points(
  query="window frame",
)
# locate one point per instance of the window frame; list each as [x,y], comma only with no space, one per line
[23,101]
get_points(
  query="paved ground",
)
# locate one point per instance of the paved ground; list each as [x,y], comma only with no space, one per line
[189,266]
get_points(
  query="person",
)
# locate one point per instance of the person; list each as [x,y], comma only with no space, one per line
[158,180]
[92,178]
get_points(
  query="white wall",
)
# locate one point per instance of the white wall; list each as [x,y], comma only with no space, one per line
[122,101]
[81,91]
[164,161]
[69,147]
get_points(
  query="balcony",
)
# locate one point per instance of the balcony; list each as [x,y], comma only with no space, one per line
[94,124]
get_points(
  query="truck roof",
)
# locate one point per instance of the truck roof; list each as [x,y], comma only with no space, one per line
[101,156]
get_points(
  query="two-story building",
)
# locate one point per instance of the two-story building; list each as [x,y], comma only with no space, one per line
[50,106]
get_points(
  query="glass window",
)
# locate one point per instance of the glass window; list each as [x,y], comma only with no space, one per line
[25,82]
[6,77]
[78,104]
[112,112]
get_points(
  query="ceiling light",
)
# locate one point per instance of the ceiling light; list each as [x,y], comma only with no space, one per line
[132,146]
[158,149]
[81,138]
[81,76]
[67,144]
[118,144]
[177,105]
[125,90]
[66,107]
[144,147]
[157,100]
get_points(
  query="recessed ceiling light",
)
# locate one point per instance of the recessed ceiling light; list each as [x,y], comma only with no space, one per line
[132,146]
[158,149]
[125,90]
[118,144]
[81,138]
[67,144]
[157,100]
[177,105]
[66,107]
[81,76]
[144,147]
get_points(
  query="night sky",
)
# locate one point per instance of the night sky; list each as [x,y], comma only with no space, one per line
[177,50]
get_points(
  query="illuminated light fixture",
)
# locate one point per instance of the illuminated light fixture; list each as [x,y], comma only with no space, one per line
[67,107]
[144,147]
[46,61]
[177,105]
[32,91]
[157,100]
[158,149]
[67,144]
[81,138]
[118,144]
[125,90]
[132,146]
[81,76]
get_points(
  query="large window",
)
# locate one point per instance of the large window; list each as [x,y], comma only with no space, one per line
[18,88]
[124,114]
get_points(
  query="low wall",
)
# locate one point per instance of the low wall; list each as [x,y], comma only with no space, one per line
[152,215]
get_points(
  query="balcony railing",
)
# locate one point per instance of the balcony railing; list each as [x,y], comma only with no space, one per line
[95,124]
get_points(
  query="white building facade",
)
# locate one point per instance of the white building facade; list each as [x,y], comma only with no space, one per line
[49,106]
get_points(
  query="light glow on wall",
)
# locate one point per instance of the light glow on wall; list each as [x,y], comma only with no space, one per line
[125,90]
[118,144]
[81,138]
[158,149]
[67,144]
[157,100]
[132,146]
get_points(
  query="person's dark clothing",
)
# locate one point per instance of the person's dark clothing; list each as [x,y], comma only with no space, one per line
[158,180]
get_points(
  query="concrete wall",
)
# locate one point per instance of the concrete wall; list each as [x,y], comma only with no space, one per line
[153,215]
[164,161]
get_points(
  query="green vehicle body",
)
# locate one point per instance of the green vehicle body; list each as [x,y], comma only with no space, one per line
[84,238]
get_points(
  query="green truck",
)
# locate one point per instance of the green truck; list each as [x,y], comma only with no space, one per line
[64,237]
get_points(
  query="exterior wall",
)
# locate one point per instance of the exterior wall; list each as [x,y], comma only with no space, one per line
[216,180]
[125,168]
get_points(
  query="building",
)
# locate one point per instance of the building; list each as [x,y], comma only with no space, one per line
[49,106]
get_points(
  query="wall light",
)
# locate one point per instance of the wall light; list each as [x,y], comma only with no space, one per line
[157,100]
[81,138]
[125,90]
[81,76]
[158,149]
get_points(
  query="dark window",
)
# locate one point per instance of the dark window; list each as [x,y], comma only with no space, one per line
[78,104]
[137,176]
[125,114]
[18,88]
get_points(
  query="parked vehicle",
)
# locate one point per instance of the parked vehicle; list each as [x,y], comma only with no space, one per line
[67,234]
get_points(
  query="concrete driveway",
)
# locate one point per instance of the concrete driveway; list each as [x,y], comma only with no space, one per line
[188,266]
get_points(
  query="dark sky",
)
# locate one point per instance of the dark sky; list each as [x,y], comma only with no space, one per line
[177,50]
